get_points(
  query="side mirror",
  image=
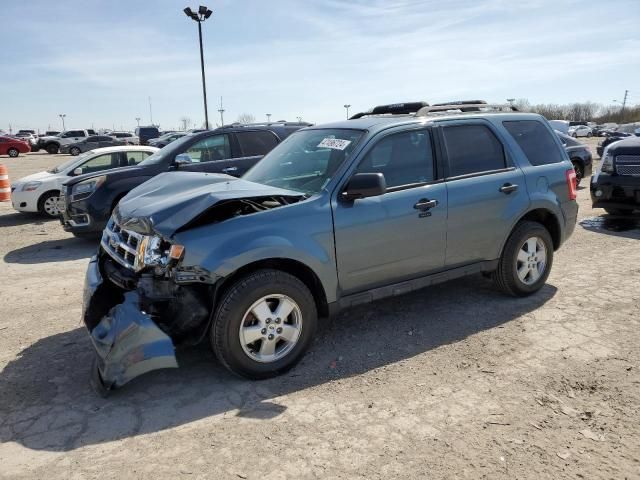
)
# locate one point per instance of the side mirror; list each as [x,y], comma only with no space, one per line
[182,159]
[78,171]
[363,185]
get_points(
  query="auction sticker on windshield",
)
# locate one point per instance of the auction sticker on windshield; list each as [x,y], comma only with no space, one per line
[335,143]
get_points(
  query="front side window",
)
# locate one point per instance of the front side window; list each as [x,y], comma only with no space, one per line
[403,158]
[210,149]
[472,149]
[306,160]
[93,139]
[101,162]
[256,143]
[536,141]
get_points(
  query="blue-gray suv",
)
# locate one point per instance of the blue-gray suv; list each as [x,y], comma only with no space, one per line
[390,201]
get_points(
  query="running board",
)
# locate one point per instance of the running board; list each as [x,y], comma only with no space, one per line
[415,284]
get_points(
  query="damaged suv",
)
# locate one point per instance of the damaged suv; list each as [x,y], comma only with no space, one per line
[336,215]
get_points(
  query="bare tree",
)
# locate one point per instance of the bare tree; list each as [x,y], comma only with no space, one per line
[245,118]
[186,121]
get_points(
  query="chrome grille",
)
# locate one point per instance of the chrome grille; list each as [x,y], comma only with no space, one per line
[122,245]
[628,165]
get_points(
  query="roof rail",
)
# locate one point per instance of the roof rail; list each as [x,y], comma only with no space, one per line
[392,109]
[464,107]
[283,123]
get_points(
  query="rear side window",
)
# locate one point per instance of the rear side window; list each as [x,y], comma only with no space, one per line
[472,149]
[134,158]
[256,143]
[535,140]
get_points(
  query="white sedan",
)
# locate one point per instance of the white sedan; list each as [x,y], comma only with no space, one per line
[40,192]
[580,131]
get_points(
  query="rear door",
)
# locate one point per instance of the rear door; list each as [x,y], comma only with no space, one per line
[486,191]
[91,143]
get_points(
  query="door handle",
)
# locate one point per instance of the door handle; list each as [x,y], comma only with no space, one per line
[229,169]
[507,188]
[425,204]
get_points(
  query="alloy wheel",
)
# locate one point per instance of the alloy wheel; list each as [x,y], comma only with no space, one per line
[531,261]
[270,328]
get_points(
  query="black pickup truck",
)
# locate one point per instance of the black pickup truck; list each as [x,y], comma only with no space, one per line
[616,187]
[88,200]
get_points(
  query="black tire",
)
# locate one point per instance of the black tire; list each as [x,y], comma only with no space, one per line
[13,152]
[574,135]
[44,208]
[75,151]
[52,148]
[577,166]
[233,306]
[618,211]
[506,276]
[35,149]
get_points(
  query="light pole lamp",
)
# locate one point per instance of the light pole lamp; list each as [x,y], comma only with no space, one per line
[511,100]
[138,120]
[268,118]
[199,17]
[62,115]
[347,109]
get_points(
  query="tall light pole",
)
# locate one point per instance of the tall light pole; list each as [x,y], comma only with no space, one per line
[347,109]
[511,100]
[268,118]
[201,16]
[62,115]
[221,111]
[299,119]
[138,120]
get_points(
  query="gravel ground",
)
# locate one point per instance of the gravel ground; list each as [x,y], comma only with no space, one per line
[454,381]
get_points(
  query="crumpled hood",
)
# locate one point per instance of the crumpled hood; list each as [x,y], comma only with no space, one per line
[171,200]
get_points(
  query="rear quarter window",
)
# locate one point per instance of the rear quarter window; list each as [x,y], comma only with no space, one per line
[472,149]
[535,140]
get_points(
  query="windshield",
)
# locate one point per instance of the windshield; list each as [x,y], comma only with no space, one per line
[306,160]
[79,159]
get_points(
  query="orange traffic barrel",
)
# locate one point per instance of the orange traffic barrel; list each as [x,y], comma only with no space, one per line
[5,186]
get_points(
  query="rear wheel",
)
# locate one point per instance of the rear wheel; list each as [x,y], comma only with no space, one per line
[48,204]
[75,151]
[264,324]
[577,166]
[526,260]
[13,152]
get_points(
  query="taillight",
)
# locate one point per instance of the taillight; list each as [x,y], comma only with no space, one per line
[572,183]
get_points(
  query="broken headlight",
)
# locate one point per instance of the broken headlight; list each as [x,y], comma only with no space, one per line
[156,252]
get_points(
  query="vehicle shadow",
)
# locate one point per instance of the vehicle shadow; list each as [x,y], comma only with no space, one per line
[53,251]
[627,226]
[46,402]
[17,219]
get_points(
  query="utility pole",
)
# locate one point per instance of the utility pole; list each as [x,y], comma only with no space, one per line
[150,112]
[624,104]
[221,113]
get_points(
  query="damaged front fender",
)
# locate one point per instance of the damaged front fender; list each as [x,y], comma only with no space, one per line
[126,340]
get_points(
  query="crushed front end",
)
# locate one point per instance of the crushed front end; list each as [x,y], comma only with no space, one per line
[139,303]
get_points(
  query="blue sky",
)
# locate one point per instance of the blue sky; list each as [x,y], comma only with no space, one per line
[99,61]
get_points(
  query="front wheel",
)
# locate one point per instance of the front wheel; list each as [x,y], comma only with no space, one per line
[75,151]
[52,149]
[526,260]
[264,323]
[48,204]
[13,152]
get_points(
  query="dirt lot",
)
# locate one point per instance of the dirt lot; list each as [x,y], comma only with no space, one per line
[455,381]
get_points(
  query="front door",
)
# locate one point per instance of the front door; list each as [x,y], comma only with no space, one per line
[486,192]
[395,236]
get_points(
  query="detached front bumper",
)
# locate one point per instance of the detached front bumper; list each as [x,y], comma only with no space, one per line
[127,341]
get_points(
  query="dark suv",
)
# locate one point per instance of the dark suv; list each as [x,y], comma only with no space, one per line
[335,216]
[616,186]
[90,199]
[145,134]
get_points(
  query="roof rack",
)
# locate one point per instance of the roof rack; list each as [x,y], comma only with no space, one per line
[406,108]
[422,109]
[283,123]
